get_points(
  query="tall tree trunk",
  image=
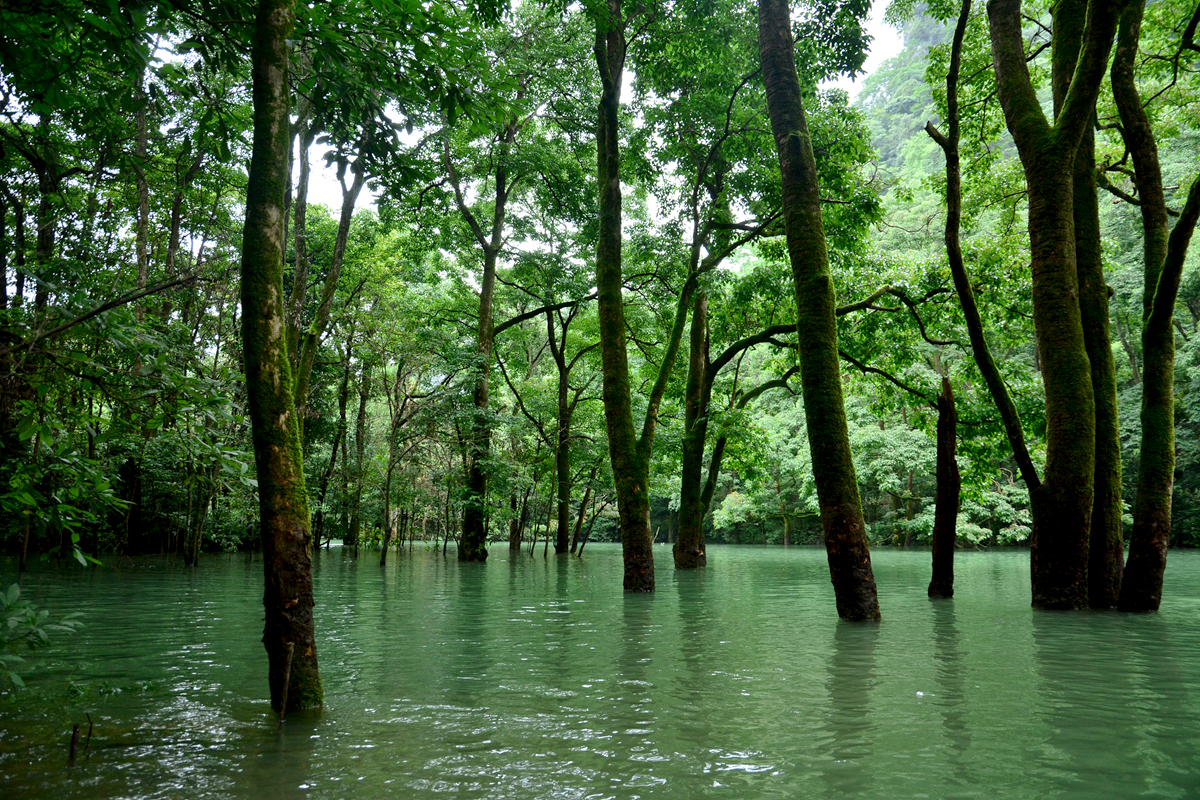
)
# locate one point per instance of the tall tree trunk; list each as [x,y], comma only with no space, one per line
[142,228]
[360,446]
[1106,548]
[310,339]
[1062,504]
[689,543]
[283,504]
[820,372]
[473,544]
[946,503]
[630,473]
[562,437]
[962,283]
[1163,257]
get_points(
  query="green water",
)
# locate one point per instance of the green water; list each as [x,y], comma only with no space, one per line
[533,678]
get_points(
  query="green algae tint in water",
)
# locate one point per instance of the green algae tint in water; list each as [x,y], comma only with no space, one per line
[535,678]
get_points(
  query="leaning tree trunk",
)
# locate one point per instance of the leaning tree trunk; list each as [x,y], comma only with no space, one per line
[283,505]
[820,372]
[1062,504]
[949,486]
[630,472]
[1163,257]
[1106,548]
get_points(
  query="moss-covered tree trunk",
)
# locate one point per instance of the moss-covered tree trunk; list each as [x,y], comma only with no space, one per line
[820,372]
[689,544]
[1062,504]
[1106,548]
[472,546]
[1163,257]
[946,501]
[630,469]
[283,504]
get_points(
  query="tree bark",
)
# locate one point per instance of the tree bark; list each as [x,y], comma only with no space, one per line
[283,504]
[1142,588]
[360,447]
[689,543]
[820,372]
[946,503]
[1106,548]
[1062,504]
[630,476]
[1163,257]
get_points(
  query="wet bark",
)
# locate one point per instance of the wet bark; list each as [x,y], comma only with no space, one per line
[946,502]
[1163,257]
[1106,547]
[360,446]
[689,544]
[630,473]
[820,372]
[1062,504]
[283,504]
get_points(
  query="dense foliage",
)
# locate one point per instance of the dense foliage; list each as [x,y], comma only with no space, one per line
[124,135]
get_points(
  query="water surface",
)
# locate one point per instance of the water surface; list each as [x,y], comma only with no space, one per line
[536,678]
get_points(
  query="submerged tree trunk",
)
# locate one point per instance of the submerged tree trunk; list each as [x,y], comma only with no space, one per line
[1106,548]
[820,372]
[1062,504]
[949,486]
[630,469]
[1163,258]
[283,505]
[689,543]
[360,446]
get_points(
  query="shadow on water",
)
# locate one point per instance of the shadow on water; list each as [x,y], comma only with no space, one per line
[849,726]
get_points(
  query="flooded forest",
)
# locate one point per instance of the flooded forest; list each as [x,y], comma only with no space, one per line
[509,368]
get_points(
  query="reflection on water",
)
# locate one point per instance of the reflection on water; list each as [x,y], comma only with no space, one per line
[534,678]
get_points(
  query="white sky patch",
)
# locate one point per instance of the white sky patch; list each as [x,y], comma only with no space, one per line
[886,43]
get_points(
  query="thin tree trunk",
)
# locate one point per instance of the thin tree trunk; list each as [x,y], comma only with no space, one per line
[283,504]
[689,543]
[946,503]
[962,283]
[820,371]
[587,495]
[142,227]
[360,445]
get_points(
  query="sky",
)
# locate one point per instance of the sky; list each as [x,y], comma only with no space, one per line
[886,43]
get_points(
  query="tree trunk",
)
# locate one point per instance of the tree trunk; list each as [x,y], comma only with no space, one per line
[689,544]
[562,439]
[630,469]
[360,446]
[1106,548]
[1062,504]
[1163,257]
[142,227]
[283,504]
[820,372]
[946,503]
